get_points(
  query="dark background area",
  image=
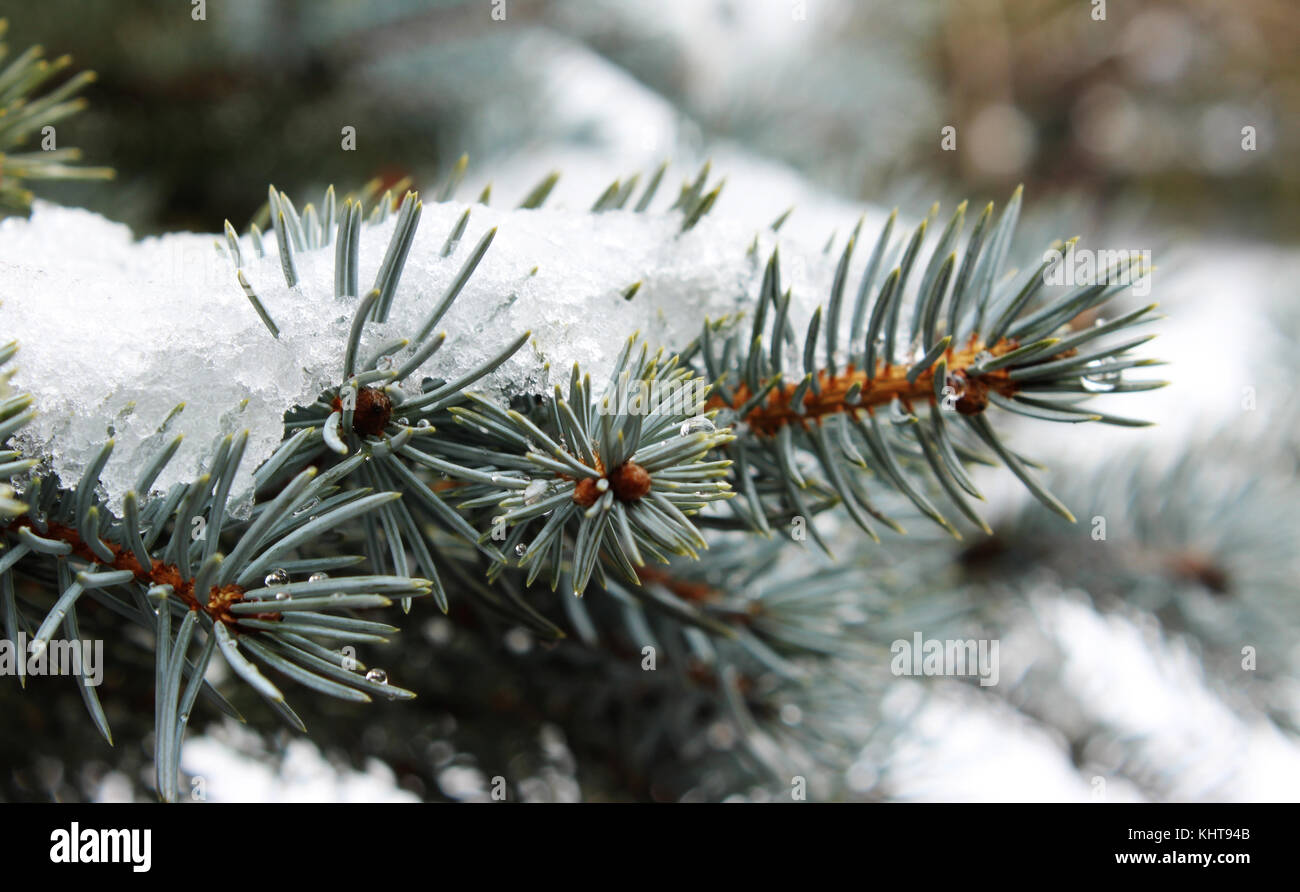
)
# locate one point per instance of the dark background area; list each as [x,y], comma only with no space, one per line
[1144,107]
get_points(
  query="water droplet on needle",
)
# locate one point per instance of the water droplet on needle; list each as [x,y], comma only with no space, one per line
[534,491]
[1101,376]
[697,425]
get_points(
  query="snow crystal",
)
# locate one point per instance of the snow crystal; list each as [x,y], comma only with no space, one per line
[115,333]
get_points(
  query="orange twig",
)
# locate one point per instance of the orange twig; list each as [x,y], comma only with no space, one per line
[889,382]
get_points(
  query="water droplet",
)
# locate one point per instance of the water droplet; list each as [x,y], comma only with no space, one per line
[791,714]
[602,484]
[305,508]
[982,357]
[697,425]
[1102,377]
[521,550]
[378,676]
[534,491]
[404,422]
[423,422]
[318,576]
[283,596]
[278,576]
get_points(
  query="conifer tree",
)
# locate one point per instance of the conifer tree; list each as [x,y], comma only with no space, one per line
[692,563]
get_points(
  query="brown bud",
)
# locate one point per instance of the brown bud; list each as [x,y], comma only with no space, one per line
[630,481]
[585,493]
[972,394]
[373,411]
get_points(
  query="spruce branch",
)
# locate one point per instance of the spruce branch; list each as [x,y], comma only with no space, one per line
[619,473]
[978,339]
[1205,552]
[764,668]
[444,490]
[15,411]
[23,111]
[159,562]
[620,501]
[367,417]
